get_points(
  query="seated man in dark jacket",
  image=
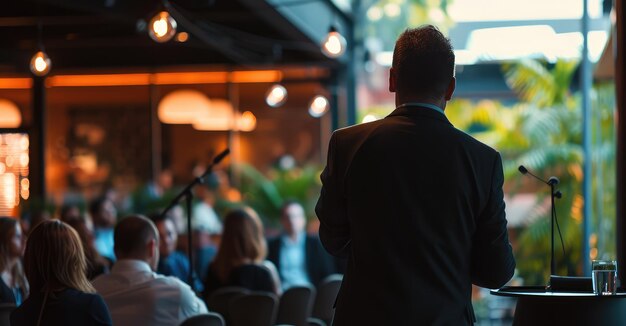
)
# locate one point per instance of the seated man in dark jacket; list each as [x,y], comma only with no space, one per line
[299,257]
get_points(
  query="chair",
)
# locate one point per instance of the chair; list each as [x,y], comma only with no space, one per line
[5,313]
[254,309]
[295,306]
[220,300]
[209,319]
[327,290]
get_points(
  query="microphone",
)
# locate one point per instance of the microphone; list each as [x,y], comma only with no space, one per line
[553,181]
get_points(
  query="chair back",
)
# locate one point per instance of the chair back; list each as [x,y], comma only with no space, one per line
[5,313]
[295,305]
[327,290]
[220,300]
[208,319]
[254,309]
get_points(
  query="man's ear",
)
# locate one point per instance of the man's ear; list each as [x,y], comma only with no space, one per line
[392,80]
[152,247]
[450,90]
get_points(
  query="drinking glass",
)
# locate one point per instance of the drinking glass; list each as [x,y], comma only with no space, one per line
[604,276]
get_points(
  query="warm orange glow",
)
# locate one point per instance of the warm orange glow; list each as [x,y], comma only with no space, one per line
[16,83]
[218,117]
[183,106]
[247,121]
[182,37]
[258,76]
[98,80]
[181,78]
[13,163]
[163,78]
[10,115]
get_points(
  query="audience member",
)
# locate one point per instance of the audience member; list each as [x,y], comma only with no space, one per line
[96,264]
[13,284]
[203,214]
[60,293]
[31,219]
[204,249]
[240,259]
[299,257]
[69,212]
[135,294]
[152,193]
[171,261]
[103,214]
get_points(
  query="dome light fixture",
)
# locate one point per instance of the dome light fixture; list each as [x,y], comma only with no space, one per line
[276,96]
[10,115]
[318,106]
[40,64]
[162,27]
[334,45]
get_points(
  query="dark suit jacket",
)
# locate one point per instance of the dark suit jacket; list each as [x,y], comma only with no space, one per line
[417,207]
[318,263]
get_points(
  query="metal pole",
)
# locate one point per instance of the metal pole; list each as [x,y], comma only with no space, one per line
[38,132]
[620,93]
[587,162]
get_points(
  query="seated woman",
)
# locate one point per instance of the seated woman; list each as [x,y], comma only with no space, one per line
[13,284]
[55,266]
[240,259]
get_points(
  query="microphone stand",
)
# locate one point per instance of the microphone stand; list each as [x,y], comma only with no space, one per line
[553,194]
[188,195]
[552,182]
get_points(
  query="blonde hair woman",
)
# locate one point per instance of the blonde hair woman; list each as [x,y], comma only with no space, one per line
[55,266]
[13,284]
[240,259]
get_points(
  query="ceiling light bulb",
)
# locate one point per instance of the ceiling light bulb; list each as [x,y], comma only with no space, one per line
[40,64]
[276,96]
[319,105]
[334,45]
[162,27]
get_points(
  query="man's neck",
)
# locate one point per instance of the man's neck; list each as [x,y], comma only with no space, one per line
[440,103]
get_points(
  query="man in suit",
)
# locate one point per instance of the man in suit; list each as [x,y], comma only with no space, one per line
[299,258]
[415,204]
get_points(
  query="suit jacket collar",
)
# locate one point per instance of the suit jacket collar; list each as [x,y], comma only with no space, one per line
[419,112]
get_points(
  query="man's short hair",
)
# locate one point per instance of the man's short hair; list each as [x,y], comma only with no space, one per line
[132,234]
[423,61]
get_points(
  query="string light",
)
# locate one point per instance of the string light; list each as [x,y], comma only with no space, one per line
[162,27]
[40,64]
[334,45]
[276,96]
[318,106]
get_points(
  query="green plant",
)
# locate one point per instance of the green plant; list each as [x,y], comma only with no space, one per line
[267,193]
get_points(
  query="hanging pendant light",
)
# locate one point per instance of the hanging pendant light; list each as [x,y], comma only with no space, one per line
[318,106]
[334,45]
[40,64]
[162,27]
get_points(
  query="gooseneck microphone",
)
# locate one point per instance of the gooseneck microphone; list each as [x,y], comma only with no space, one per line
[552,182]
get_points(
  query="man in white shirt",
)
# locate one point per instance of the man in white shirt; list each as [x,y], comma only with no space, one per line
[134,293]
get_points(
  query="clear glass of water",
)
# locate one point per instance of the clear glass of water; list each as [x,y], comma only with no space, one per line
[604,276]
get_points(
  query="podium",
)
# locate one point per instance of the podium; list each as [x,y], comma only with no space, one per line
[536,306]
